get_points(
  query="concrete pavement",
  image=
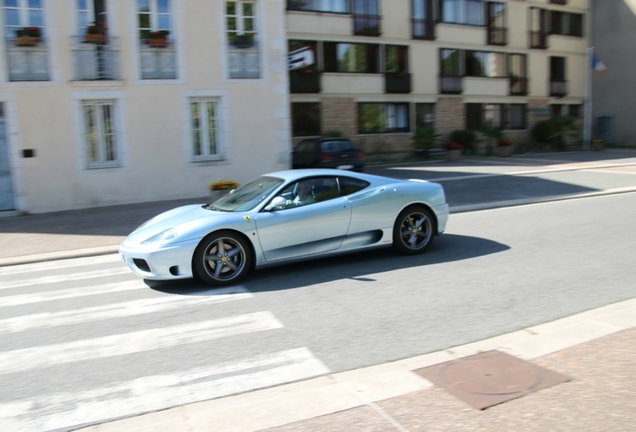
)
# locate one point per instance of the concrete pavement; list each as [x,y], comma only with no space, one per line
[596,349]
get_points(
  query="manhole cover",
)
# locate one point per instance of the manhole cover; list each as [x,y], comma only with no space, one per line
[492,376]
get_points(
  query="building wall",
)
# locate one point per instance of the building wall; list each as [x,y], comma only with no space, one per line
[154,119]
[614,93]
[424,66]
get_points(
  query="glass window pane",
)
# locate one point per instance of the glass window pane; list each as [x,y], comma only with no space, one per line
[36,4]
[248,24]
[36,18]
[11,17]
[211,129]
[142,5]
[163,22]
[196,137]
[230,8]
[231,24]
[11,3]
[371,118]
[248,9]
[163,6]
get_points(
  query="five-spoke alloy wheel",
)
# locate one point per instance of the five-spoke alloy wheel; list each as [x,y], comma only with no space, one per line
[222,258]
[413,231]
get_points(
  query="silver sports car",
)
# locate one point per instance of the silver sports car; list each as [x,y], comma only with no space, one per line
[286,216]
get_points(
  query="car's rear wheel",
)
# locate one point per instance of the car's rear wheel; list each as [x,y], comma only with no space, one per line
[222,258]
[413,231]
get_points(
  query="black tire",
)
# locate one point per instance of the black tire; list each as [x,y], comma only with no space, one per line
[222,258]
[414,231]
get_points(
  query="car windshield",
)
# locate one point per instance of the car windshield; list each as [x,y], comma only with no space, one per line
[247,196]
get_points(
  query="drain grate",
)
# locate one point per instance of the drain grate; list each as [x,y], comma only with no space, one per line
[490,378]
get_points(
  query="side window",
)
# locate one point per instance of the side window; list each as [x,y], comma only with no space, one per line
[309,191]
[305,146]
[349,185]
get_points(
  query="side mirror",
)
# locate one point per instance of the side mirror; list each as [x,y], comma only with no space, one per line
[278,203]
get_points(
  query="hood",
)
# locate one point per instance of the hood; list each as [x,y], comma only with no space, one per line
[185,217]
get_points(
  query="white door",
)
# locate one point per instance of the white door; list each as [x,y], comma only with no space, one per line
[6,190]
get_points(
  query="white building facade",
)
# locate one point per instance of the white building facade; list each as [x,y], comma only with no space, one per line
[122,101]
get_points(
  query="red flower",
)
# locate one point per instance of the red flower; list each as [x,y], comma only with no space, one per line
[504,143]
[453,146]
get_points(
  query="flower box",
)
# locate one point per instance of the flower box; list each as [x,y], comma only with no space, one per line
[95,38]
[26,40]
[158,43]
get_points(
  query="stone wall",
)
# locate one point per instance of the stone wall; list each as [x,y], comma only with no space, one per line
[450,115]
[339,114]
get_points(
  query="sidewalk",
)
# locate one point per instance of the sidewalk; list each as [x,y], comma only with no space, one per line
[470,184]
[595,350]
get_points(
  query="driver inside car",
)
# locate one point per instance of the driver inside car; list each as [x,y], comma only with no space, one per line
[303,194]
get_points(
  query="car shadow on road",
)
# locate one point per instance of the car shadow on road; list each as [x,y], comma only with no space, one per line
[356,266]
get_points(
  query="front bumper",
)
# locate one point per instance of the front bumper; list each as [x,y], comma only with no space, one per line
[442,212]
[159,262]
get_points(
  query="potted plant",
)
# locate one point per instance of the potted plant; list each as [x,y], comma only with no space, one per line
[453,150]
[95,33]
[27,36]
[243,40]
[219,188]
[493,134]
[158,38]
[504,148]
[466,138]
[424,139]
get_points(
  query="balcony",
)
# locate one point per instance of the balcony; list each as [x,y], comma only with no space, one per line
[538,39]
[397,82]
[497,36]
[518,86]
[366,25]
[94,62]
[423,29]
[244,61]
[558,88]
[27,63]
[158,62]
[304,81]
[451,85]
[559,2]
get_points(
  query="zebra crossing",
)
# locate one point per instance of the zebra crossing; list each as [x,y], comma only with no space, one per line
[83,342]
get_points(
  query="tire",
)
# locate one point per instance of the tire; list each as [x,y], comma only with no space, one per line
[414,231]
[222,258]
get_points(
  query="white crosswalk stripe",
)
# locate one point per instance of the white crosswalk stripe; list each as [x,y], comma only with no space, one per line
[153,393]
[52,332]
[117,310]
[129,343]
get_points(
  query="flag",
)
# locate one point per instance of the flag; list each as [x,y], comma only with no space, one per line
[597,64]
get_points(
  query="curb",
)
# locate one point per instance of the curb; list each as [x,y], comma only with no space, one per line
[113,249]
[327,394]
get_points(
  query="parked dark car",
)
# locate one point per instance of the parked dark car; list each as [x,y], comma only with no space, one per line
[328,153]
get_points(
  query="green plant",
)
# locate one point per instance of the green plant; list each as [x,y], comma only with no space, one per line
[424,139]
[333,134]
[465,137]
[542,131]
[95,28]
[158,34]
[243,39]
[223,185]
[564,128]
[493,134]
[29,32]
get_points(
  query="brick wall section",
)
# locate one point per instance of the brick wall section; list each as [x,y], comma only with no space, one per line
[450,115]
[339,114]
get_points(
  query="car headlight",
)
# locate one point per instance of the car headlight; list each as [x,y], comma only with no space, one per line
[162,237]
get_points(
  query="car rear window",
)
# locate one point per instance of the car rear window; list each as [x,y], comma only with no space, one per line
[337,146]
[349,185]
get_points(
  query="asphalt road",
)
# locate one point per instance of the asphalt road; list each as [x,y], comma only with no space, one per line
[83,340]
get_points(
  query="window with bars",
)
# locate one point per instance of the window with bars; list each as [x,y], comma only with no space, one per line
[335,6]
[506,116]
[422,19]
[383,117]
[100,134]
[468,12]
[348,57]
[204,125]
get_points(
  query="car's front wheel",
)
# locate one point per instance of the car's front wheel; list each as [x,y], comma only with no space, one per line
[413,230]
[222,258]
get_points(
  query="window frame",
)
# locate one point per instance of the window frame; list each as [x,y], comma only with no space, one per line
[462,9]
[504,111]
[154,20]
[102,161]
[346,3]
[204,130]
[332,61]
[25,17]
[387,117]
